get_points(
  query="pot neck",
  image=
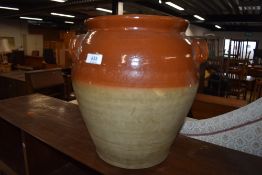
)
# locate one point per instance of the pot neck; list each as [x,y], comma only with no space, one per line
[137,22]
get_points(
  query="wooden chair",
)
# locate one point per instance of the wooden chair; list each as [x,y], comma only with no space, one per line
[46,81]
[216,83]
[257,91]
[237,86]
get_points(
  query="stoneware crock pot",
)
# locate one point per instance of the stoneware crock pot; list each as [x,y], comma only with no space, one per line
[135,81]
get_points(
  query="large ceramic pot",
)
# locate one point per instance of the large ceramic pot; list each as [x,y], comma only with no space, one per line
[135,81]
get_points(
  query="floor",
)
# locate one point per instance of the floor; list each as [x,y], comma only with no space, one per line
[5,170]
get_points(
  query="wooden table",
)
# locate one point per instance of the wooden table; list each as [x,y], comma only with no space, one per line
[16,75]
[255,71]
[54,140]
[207,106]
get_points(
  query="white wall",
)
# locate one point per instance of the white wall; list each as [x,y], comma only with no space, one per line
[19,30]
[14,28]
[33,42]
[194,30]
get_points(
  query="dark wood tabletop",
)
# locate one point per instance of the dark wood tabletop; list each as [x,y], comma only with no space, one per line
[59,124]
[16,75]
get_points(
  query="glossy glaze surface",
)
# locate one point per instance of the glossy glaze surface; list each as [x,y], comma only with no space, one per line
[71,45]
[75,46]
[138,51]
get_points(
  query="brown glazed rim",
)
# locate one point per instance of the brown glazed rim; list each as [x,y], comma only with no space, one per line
[139,21]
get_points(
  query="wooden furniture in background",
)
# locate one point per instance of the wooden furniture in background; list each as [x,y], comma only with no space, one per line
[35,53]
[257,91]
[237,86]
[68,87]
[255,71]
[258,56]
[207,106]
[62,55]
[53,82]
[34,61]
[57,47]
[12,84]
[46,81]
[57,141]
[216,82]
[5,67]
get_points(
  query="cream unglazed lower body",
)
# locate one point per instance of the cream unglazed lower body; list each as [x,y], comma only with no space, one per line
[133,127]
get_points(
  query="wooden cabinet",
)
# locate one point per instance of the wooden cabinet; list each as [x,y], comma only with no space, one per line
[63,58]
[23,154]
[11,150]
[12,84]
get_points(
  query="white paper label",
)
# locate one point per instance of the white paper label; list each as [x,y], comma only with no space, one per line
[94,58]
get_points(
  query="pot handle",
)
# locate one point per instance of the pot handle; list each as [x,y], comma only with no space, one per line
[200,50]
[72,49]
